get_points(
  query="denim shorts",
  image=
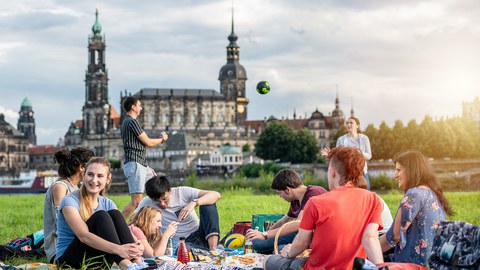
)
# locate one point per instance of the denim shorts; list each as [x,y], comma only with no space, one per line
[137,175]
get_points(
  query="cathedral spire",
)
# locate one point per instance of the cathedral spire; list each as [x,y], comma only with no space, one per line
[97,27]
[233,51]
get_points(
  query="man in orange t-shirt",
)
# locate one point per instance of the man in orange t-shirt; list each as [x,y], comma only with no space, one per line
[341,224]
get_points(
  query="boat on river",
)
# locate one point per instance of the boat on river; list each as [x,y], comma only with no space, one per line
[28,182]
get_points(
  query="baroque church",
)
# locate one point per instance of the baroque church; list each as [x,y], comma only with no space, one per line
[197,120]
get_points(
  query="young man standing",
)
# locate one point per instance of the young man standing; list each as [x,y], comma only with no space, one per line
[289,186]
[135,143]
[339,225]
[178,204]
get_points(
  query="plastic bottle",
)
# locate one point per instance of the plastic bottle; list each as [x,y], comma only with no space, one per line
[183,255]
[169,250]
[248,248]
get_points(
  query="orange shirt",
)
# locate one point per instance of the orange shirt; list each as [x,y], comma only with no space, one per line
[339,219]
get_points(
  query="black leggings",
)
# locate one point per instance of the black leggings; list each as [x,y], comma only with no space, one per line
[110,226]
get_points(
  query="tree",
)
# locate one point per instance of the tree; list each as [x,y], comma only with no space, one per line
[275,141]
[246,148]
[304,148]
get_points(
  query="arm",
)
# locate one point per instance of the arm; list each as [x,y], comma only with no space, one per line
[367,154]
[288,229]
[371,244]
[79,227]
[300,243]
[58,192]
[150,142]
[161,245]
[205,197]
[253,234]
[393,233]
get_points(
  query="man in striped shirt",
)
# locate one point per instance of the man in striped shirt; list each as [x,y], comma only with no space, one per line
[135,143]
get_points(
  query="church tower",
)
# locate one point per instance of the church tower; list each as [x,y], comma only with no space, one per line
[337,114]
[232,79]
[26,121]
[96,110]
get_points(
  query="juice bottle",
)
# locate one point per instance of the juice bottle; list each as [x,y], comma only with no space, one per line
[248,248]
[183,255]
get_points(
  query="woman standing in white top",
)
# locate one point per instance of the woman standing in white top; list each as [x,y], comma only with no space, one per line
[354,138]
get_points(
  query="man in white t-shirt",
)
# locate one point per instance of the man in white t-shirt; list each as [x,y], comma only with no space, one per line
[178,204]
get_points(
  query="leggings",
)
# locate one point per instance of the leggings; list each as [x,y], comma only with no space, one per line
[110,226]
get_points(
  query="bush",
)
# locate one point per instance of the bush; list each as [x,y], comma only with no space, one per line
[382,182]
[253,170]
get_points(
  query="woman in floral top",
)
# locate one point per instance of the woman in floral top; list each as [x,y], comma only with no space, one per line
[420,212]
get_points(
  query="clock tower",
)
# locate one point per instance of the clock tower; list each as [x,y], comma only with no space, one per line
[96,110]
[26,122]
[232,79]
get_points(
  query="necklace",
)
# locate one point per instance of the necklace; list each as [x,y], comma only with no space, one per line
[75,187]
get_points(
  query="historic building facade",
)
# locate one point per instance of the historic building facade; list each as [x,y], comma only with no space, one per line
[206,118]
[471,110]
[13,149]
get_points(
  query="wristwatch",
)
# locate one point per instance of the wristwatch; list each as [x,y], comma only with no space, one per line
[196,202]
[265,234]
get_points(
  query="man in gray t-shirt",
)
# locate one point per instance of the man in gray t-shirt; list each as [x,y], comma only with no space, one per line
[178,204]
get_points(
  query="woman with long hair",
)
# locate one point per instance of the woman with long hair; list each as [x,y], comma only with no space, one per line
[421,210]
[145,225]
[91,231]
[70,169]
[355,138]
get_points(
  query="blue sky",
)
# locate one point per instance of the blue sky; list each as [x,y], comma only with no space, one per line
[397,60]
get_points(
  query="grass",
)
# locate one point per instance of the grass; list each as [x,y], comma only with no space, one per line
[22,215]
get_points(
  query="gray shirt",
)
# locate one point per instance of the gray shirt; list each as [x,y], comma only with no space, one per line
[50,213]
[179,198]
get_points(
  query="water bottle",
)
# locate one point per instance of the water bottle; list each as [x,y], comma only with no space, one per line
[169,250]
[183,255]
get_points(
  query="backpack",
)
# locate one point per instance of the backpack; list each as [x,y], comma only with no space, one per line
[34,240]
[456,245]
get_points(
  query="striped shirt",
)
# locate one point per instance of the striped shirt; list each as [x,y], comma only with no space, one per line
[134,149]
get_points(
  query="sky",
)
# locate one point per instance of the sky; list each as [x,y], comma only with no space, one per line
[391,60]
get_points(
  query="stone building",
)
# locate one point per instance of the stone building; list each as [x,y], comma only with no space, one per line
[13,149]
[471,110]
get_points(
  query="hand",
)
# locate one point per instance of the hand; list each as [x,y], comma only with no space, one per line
[130,250]
[325,151]
[254,234]
[164,136]
[171,229]
[186,210]
[285,250]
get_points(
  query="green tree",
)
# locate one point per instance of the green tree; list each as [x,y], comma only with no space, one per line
[399,138]
[246,148]
[304,148]
[372,134]
[340,132]
[446,139]
[384,142]
[427,136]
[275,141]
[412,132]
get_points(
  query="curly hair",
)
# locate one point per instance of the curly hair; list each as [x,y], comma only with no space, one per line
[142,219]
[419,172]
[349,163]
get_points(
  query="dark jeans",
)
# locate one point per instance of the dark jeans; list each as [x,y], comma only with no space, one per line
[110,226]
[209,225]
[266,246]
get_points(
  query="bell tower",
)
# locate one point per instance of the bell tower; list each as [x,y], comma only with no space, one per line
[232,79]
[26,121]
[96,110]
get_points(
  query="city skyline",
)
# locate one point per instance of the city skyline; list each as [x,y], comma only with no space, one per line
[397,61]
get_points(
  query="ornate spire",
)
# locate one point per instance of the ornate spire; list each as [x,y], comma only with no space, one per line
[97,27]
[233,50]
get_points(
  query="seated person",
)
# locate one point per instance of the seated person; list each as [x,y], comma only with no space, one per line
[289,186]
[91,230]
[341,224]
[145,226]
[178,204]
[421,209]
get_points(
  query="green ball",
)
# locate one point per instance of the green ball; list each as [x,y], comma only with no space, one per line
[263,87]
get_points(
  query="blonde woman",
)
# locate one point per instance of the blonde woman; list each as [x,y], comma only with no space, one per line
[91,230]
[145,225]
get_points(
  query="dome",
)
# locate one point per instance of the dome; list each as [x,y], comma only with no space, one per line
[97,27]
[26,103]
[317,115]
[337,113]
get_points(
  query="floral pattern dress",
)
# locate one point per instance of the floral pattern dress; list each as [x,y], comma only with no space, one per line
[421,209]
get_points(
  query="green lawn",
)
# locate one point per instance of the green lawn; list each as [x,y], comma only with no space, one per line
[21,215]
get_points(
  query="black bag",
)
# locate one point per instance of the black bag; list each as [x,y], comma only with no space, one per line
[456,245]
